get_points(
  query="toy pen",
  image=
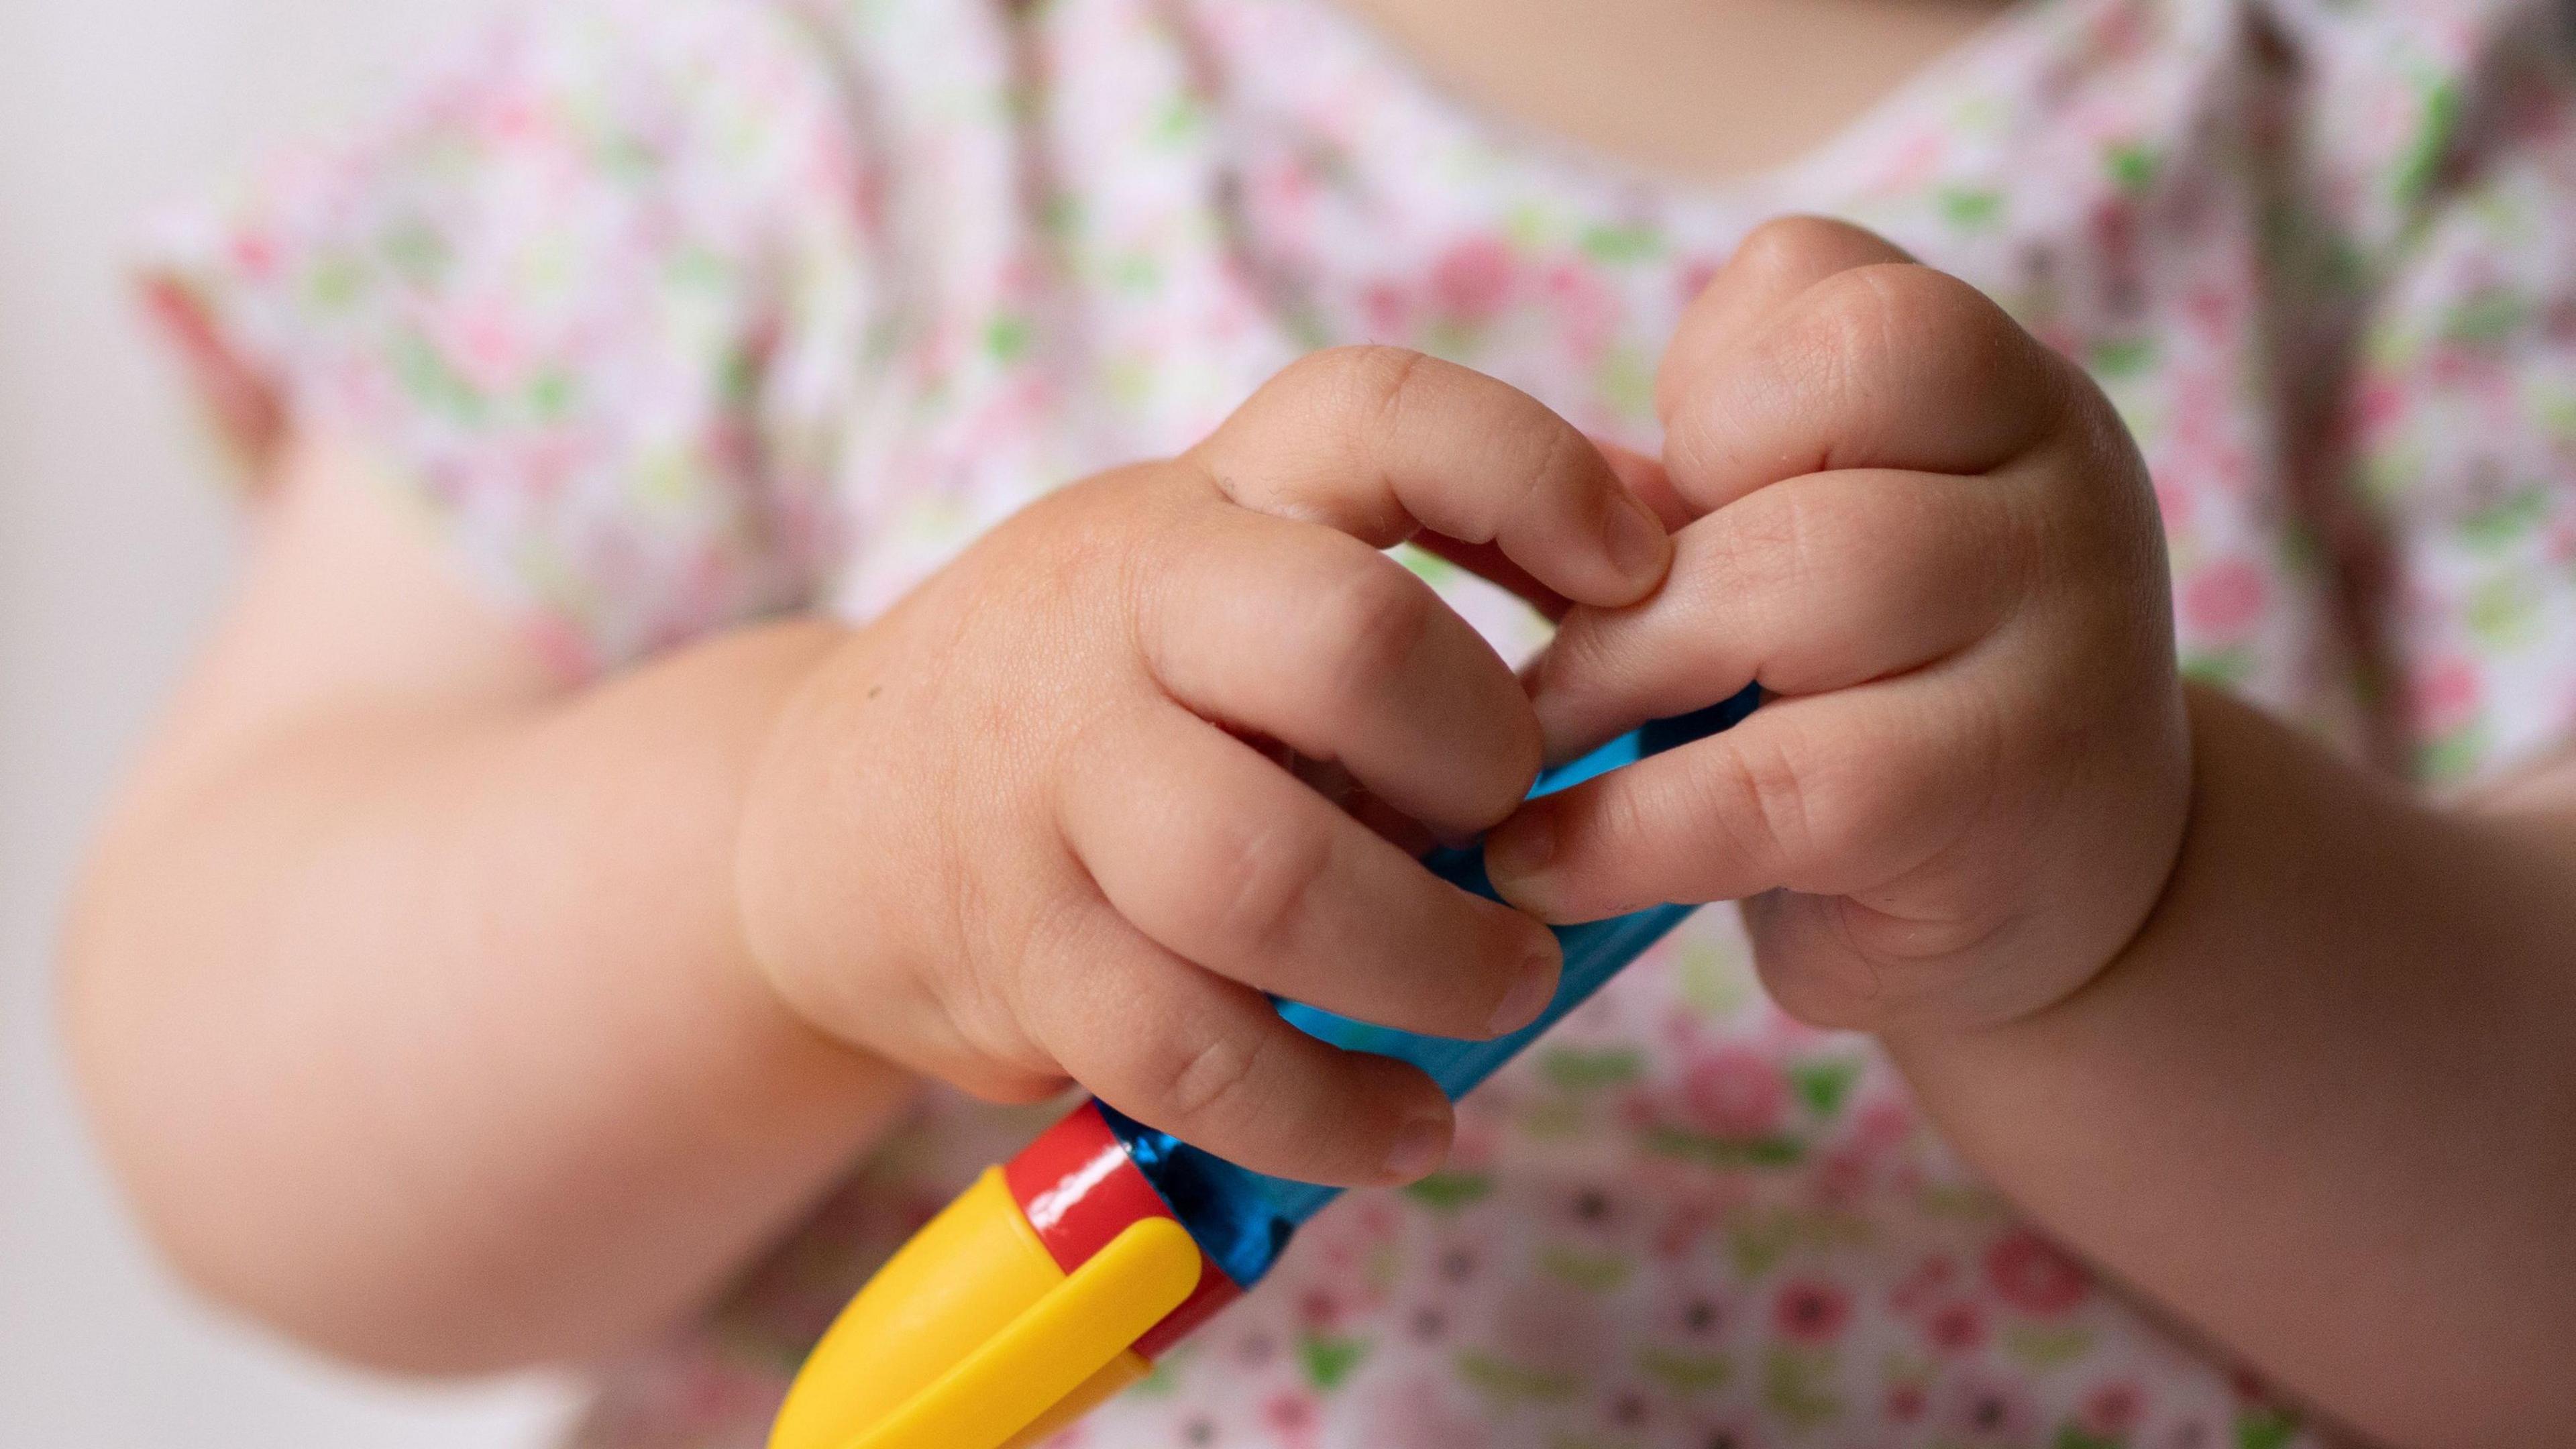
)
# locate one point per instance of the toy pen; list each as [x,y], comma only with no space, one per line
[1058,1277]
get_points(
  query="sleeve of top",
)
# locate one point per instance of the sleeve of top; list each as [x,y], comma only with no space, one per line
[573,293]
[2461,423]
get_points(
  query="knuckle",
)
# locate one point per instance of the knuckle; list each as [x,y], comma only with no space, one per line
[1203,1085]
[1371,623]
[1763,785]
[1553,451]
[1376,378]
[1266,877]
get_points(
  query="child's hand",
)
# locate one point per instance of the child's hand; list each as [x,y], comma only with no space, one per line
[998,839]
[1929,536]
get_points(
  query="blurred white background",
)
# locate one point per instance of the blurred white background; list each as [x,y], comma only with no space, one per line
[114,547]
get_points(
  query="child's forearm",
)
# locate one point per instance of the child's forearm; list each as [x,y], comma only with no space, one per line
[2338,1066]
[427,1033]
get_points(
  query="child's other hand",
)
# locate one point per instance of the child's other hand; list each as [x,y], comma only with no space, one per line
[1931,538]
[1024,828]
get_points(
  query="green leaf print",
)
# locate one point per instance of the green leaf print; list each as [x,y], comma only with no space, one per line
[1970,208]
[1798,1386]
[1675,1142]
[1511,1382]
[2133,167]
[550,395]
[1555,1118]
[2265,1428]
[1823,1085]
[1449,1191]
[1329,1360]
[2217,666]
[2070,1436]
[2122,357]
[2489,317]
[1756,1247]
[2432,140]
[1134,272]
[2454,756]
[2506,520]
[1602,1272]
[1716,981]
[1686,1373]
[425,375]
[336,280]
[1628,381]
[2505,612]
[1007,337]
[2047,1347]
[1577,1070]
[1635,242]
[1181,119]
[416,251]
[1431,568]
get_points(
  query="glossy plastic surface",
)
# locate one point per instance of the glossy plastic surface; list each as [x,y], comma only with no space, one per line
[1243,1218]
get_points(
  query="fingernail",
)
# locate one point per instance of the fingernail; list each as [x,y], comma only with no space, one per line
[1420,1145]
[1521,850]
[1528,997]
[1636,541]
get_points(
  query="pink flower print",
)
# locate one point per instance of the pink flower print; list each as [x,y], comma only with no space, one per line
[2561,544]
[1811,1311]
[1587,312]
[1386,311]
[2222,599]
[1292,1415]
[2034,1275]
[1906,1402]
[1882,1123]
[2113,1410]
[483,345]
[2377,404]
[2445,697]
[1928,1278]
[1987,1411]
[1840,1179]
[255,254]
[1473,280]
[1736,1094]
[1320,1309]
[2214,310]
[1958,1327]
[2175,503]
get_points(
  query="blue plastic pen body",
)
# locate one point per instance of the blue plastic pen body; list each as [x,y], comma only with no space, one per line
[1243,1218]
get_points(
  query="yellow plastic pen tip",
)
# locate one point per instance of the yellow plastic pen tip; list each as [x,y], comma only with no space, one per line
[971,1337]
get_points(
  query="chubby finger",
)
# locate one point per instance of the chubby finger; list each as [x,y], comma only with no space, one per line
[1382,443]
[1317,640]
[1883,366]
[1775,262]
[1229,861]
[1813,584]
[1210,1061]
[1829,795]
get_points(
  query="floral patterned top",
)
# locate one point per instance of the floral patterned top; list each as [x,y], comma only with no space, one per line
[676,312]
